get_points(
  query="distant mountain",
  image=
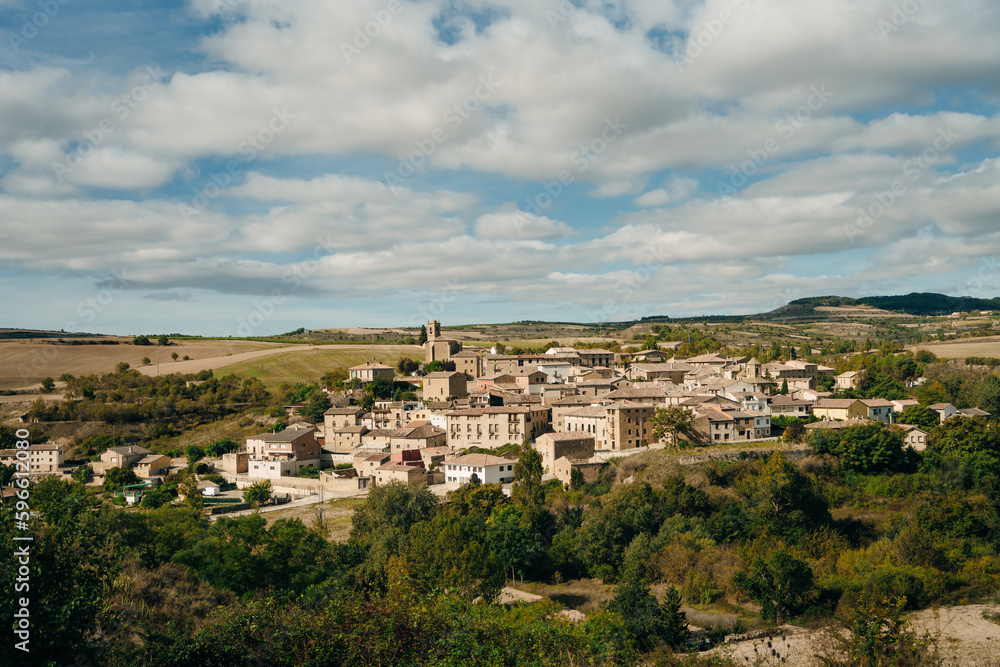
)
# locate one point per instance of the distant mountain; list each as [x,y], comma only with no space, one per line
[915,303]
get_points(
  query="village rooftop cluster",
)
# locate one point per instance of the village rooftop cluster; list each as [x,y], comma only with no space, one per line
[578,407]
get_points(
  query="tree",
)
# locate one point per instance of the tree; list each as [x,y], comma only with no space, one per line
[141,340]
[381,526]
[122,366]
[514,542]
[647,620]
[48,384]
[116,478]
[794,432]
[422,338]
[194,453]
[83,474]
[868,449]
[987,395]
[527,492]
[174,355]
[675,422]
[782,500]
[155,498]
[6,474]
[163,341]
[406,366]
[673,622]
[145,361]
[217,448]
[919,415]
[192,494]
[334,378]
[316,406]
[784,388]
[258,493]
[780,584]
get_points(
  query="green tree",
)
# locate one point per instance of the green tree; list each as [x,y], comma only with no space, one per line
[222,446]
[116,478]
[83,474]
[527,492]
[780,584]
[406,366]
[512,539]
[919,415]
[422,338]
[141,340]
[987,395]
[782,500]
[334,378]
[675,422]
[673,622]
[316,406]
[258,493]
[381,526]
[868,448]
[156,498]
[163,341]
[145,361]
[122,366]
[194,453]
[6,474]
[448,553]
[48,384]
[192,494]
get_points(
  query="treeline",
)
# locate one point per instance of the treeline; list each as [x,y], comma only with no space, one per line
[128,397]
[862,521]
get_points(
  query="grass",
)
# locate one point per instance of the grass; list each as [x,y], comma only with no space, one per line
[310,365]
[24,363]
[584,595]
[960,349]
[337,515]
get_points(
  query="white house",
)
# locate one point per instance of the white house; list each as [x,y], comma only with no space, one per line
[487,469]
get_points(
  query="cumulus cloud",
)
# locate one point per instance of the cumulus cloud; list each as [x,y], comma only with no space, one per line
[704,156]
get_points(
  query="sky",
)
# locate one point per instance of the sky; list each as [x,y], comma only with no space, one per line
[248,167]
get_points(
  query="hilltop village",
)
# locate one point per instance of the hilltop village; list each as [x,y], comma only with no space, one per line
[579,408]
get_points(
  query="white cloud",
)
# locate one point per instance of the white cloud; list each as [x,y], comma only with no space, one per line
[510,223]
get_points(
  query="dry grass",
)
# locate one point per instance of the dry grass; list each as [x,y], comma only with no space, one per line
[25,363]
[309,364]
[960,349]
[337,515]
[584,595]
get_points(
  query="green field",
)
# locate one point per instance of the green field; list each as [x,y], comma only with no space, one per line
[308,366]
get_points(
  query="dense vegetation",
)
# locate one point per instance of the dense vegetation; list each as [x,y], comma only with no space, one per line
[858,523]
